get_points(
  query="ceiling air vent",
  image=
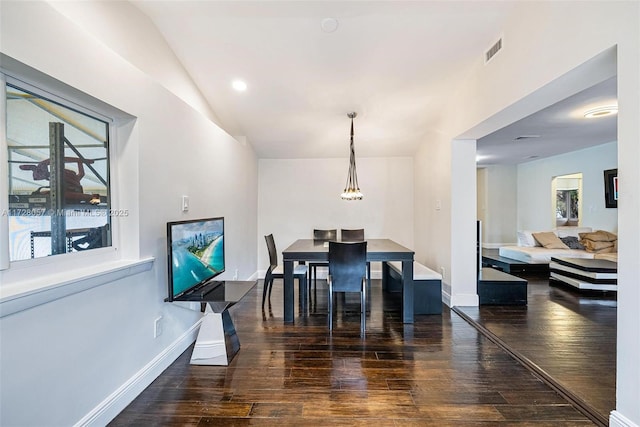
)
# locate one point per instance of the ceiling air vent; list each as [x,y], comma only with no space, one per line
[493,50]
[521,137]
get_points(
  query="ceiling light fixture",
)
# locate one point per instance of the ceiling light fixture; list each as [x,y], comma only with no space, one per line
[239,85]
[351,189]
[601,111]
[329,25]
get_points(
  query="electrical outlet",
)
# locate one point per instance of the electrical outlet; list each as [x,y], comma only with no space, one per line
[157,327]
[235,276]
[442,272]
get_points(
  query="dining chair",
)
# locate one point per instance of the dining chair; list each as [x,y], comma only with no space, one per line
[276,271]
[352,235]
[323,236]
[347,273]
[356,235]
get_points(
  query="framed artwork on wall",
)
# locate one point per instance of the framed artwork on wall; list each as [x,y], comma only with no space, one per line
[611,188]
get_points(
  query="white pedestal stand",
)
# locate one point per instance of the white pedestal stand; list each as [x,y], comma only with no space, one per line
[217,341]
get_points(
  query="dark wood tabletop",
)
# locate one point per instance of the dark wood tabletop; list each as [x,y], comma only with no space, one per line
[318,250]
[381,250]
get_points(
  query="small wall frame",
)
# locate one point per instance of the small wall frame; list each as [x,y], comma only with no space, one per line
[611,188]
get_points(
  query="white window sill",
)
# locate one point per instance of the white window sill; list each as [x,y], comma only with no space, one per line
[19,296]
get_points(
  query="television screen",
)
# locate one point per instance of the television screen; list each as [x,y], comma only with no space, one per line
[196,254]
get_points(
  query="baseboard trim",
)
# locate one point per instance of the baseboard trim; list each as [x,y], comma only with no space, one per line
[616,419]
[496,245]
[446,298]
[109,408]
[464,300]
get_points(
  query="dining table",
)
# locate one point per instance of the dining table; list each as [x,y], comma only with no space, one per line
[378,250]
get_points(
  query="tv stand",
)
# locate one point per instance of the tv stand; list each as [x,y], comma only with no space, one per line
[200,293]
[217,342]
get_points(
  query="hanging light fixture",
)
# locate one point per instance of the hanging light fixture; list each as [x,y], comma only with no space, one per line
[351,189]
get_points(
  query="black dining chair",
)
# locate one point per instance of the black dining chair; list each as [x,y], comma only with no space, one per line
[356,235]
[320,236]
[352,235]
[276,271]
[347,273]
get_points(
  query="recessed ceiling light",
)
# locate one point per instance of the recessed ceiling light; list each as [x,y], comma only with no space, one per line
[239,85]
[601,111]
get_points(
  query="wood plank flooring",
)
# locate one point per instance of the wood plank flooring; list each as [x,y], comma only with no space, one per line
[566,334]
[439,371]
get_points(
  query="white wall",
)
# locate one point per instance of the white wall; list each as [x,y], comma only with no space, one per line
[123,28]
[518,197]
[432,220]
[62,360]
[296,196]
[497,204]
[463,155]
[543,61]
[534,188]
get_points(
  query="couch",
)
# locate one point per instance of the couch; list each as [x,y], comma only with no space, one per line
[565,242]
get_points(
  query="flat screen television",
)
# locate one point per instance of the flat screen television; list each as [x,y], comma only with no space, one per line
[195,249]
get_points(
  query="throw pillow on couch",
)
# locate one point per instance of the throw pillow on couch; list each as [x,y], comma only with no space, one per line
[572,242]
[549,240]
[599,241]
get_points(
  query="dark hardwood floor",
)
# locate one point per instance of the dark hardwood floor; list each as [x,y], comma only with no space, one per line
[566,335]
[440,371]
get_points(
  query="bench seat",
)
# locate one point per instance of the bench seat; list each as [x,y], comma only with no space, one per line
[420,272]
[496,287]
[427,286]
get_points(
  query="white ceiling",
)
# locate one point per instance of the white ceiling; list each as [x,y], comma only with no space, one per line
[391,62]
[559,128]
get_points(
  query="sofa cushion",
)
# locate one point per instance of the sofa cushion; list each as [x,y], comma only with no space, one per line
[571,231]
[599,236]
[525,239]
[549,240]
[599,241]
[609,256]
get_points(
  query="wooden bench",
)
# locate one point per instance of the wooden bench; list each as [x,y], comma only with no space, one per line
[427,286]
[496,287]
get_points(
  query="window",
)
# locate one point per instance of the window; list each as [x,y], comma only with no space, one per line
[58,176]
[567,205]
[567,191]
[42,118]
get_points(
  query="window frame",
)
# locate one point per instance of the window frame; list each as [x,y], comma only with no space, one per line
[566,196]
[62,102]
[14,272]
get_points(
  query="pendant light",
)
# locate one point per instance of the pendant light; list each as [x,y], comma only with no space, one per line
[351,189]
